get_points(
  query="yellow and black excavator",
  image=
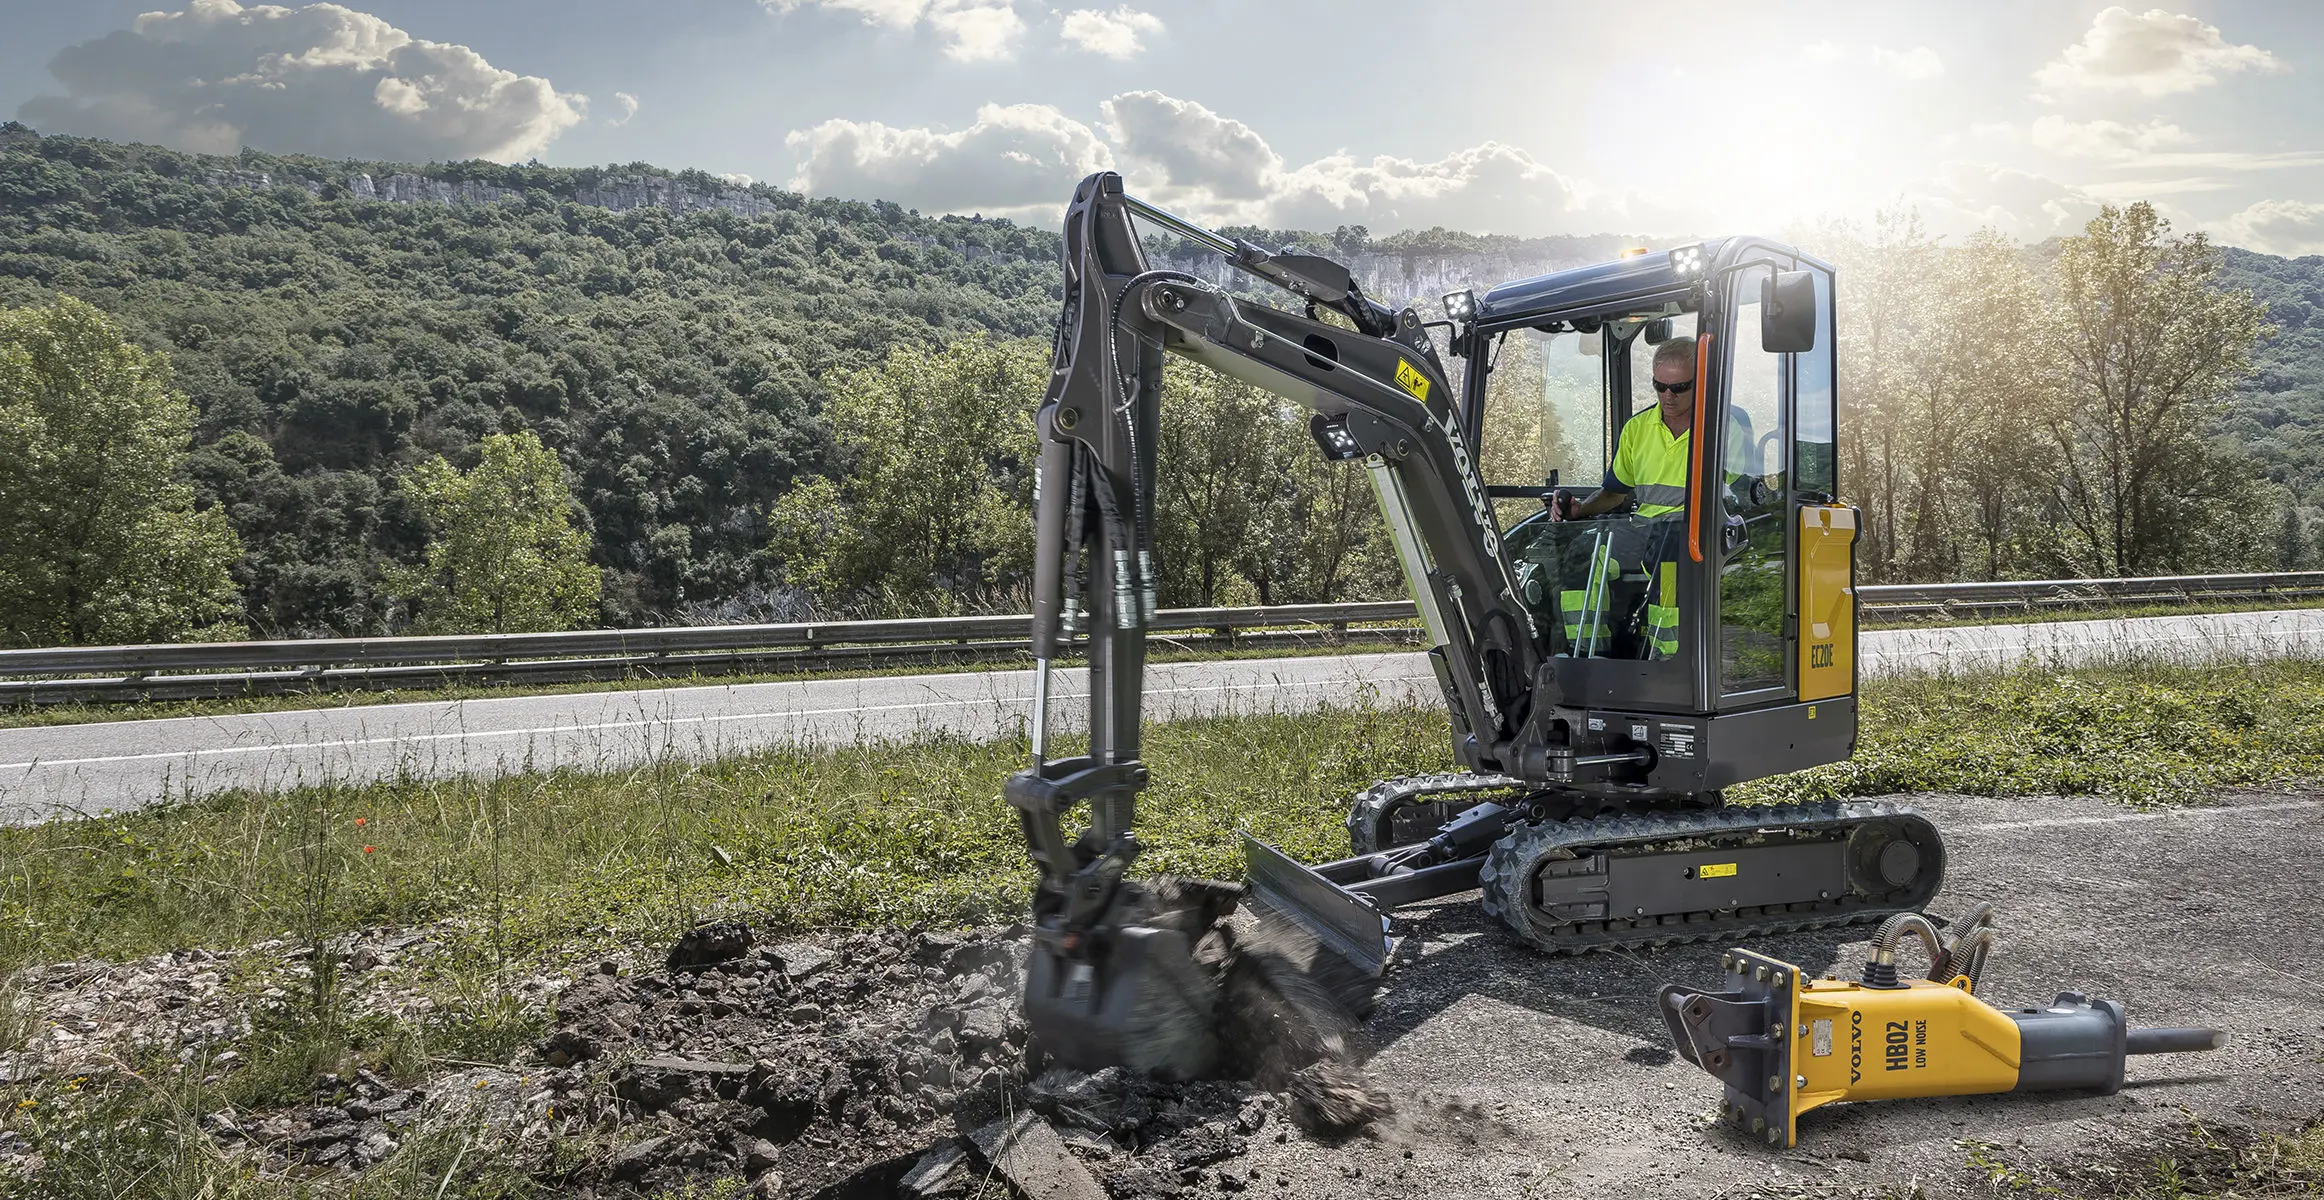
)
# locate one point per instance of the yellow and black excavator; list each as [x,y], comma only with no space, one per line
[1607,679]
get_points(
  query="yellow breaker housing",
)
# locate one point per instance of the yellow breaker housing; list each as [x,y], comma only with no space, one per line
[1784,1044]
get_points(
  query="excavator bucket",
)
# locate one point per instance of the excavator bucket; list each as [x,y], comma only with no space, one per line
[1182,993]
[1146,997]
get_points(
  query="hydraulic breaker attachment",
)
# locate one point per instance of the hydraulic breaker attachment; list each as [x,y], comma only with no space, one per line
[1784,1044]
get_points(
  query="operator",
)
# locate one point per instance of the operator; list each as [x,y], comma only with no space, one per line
[1650,463]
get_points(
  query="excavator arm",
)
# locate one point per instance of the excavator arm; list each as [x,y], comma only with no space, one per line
[1113,979]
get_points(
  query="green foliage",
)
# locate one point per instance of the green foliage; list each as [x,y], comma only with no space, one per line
[504,553]
[687,363]
[99,537]
[1249,513]
[2060,410]
[2154,350]
[2278,412]
[330,342]
[930,513]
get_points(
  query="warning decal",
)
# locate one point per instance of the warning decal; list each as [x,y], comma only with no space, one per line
[1411,380]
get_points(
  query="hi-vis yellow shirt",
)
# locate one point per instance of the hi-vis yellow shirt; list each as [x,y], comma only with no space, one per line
[1650,462]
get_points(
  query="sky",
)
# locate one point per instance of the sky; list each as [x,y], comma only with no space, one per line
[1493,116]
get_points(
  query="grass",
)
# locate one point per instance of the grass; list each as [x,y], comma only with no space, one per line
[2141,734]
[532,872]
[807,838]
[1161,650]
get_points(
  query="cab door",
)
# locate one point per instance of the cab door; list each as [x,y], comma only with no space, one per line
[1749,536]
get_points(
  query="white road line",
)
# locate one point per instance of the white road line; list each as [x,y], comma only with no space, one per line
[645,722]
[2123,818]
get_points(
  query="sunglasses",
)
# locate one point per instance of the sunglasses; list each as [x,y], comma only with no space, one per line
[1675,389]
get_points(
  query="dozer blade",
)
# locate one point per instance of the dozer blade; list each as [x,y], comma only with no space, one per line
[1340,935]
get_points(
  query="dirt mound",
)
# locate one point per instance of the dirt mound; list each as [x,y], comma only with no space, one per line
[873,1062]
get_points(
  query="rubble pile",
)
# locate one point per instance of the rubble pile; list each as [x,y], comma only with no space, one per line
[880,1063]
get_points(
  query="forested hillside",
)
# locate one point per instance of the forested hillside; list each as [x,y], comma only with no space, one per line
[331,340]
[676,341]
[2279,411]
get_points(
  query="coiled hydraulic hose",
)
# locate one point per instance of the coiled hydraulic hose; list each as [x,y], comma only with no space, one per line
[1880,972]
[1949,964]
[1967,958]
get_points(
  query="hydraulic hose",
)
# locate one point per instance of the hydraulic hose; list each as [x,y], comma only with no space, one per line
[1881,971]
[1967,957]
[1949,964]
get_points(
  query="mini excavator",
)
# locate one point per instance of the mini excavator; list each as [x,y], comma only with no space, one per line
[1606,679]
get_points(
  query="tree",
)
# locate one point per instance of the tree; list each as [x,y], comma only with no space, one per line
[929,512]
[1881,281]
[99,537]
[2154,351]
[2291,540]
[1973,386]
[1223,458]
[504,553]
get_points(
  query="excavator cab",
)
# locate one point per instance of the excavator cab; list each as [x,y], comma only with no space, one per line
[1618,601]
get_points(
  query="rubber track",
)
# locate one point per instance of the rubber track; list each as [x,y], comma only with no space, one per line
[1510,863]
[1378,799]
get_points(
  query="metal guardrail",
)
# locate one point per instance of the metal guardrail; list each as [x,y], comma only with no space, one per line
[1907,600]
[189,671]
[179,671]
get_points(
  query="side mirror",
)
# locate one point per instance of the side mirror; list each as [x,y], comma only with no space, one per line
[1787,312]
[1656,332]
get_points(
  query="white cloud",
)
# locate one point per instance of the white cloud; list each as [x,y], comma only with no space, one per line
[628,106]
[1023,161]
[978,32]
[322,79]
[1193,147]
[2288,227]
[1488,188]
[896,14]
[2154,53]
[2102,138]
[1014,160]
[1964,196]
[1920,62]
[1119,34]
[973,30]
[736,178]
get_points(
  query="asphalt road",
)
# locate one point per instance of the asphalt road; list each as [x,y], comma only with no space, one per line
[1520,1075]
[59,770]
